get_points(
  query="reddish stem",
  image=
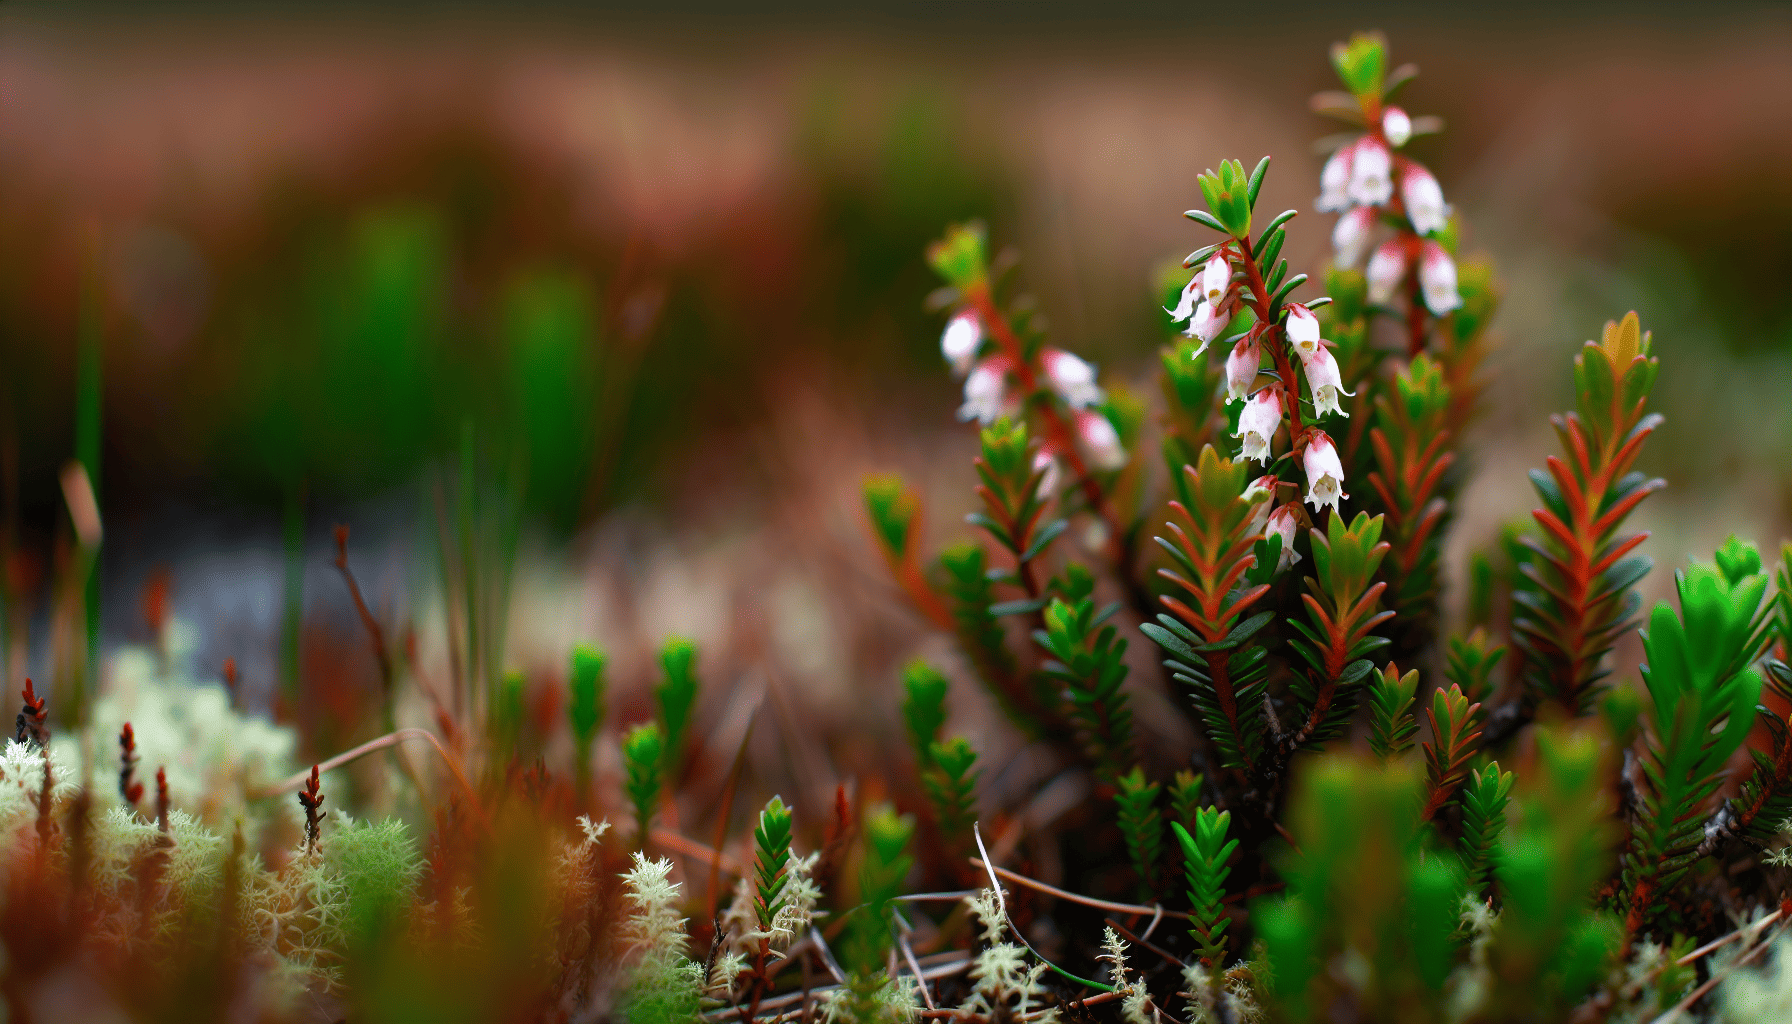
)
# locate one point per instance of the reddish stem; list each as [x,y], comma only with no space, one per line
[1057,431]
[1272,335]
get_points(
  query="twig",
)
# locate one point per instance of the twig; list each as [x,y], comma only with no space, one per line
[375,635]
[827,955]
[945,970]
[935,897]
[391,739]
[1087,901]
[1157,916]
[1002,905]
[1733,936]
[1139,940]
[1698,993]
[908,953]
[676,843]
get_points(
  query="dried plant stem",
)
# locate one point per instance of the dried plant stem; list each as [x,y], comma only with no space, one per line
[1087,901]
[1699,993]
[391,739]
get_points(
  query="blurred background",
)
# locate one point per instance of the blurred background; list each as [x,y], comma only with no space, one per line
[650,286]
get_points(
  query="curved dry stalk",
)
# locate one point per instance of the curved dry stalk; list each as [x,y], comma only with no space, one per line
[1087,901]
[676,843]
[392,739]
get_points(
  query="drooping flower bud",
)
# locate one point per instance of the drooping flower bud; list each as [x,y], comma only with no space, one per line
[1258,422]
[1043,459]
[1325,473]
[1100,440]
[1261,496]
[1386,268]
[1303,331]
[1424,200]
[986,393]
[1261,488]
[1396,127]
[1241,369]
[1323,379]
[961,339]
[1334,181]
[1185,302]
[1216,277]
[1071,377]
[1437,278]
[1281,524]
[1371,181]
[1350,238]
[1207,323]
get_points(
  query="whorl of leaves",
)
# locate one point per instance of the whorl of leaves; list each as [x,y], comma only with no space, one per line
[1204,856]
[1090,662]
[1142,826]
[1391,722]
[1483,820]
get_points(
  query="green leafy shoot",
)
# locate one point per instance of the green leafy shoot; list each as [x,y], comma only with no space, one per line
[643,750]
[923,708]
[677,695]
[1185,797]
[1483,822]
[1091,663]
[585,705]
[1470,664]
[1391,722]
[1204,856]
[1704,691]
[1142,826]
[951,785]
[771,875]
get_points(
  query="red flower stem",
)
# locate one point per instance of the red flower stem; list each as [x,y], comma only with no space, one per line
[1057,431]
[1272,334]
[1416,334]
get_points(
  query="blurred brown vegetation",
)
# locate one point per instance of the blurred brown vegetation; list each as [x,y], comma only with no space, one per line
[743,212]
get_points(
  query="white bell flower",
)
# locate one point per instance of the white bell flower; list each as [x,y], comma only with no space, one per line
[1281,523]
[1216,277]
[1386,269]
[1334,180]
[1260,495]
[1071,377]
[1303,331]
[1044,460]
[986,397]
[1325,473]
[1424,200]
[1350,237]
[1186,302]
[1241,369]
[1371,173]
[1437,278]
[1396,127]
[1258,423]
[1100,440]
[1323,379]
[1207,323]
[961,339]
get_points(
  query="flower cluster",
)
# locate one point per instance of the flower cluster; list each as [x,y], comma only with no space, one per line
[1004,374]
[1232,279]
[1368,181]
